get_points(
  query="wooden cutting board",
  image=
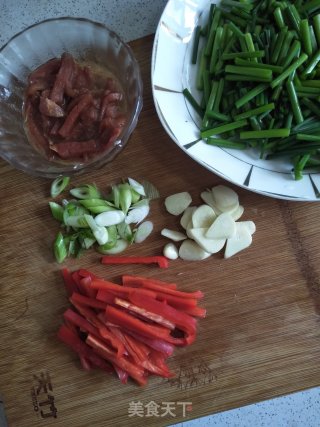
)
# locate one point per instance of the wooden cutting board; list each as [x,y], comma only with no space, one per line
[261,337]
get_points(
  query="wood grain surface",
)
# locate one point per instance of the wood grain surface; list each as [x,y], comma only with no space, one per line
[261,337]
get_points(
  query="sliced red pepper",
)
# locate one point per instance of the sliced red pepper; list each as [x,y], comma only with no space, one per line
[85,363]
[90,302]
[91,316]
[138,281]
[152,284]
[122,375]
[196,311]
[85,284]
[70,284]
[73,318]
[145,314]
[119,289]
[183,321]
[105,296]
[177,302]
[100,348]
[162,261]
[77,279]
[137,350]
[155,343]
[125,320]
[85,273]
[68,337]
[74,327]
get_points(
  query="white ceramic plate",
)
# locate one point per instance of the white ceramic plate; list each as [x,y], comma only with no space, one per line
[171,72]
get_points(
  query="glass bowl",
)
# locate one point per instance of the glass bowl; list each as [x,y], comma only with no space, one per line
[86,41]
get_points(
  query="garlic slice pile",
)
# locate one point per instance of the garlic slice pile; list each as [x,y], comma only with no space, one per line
[209,227]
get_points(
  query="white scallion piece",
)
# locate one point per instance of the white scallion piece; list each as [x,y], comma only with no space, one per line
[99,232]
[143,231]
[174,235]
[138,212]
[177,203]
[137,186]
[119,247]
[170,251]
[110,218]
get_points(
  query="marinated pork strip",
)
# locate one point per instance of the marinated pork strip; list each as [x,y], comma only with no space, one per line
[65,75]
[72,117]
[74,149]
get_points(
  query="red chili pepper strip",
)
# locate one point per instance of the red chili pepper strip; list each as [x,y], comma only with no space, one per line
[85,273]
[196,311]
[119,289]
[82,286]
[122,375]
[144,313]
[85,285]
[177,302]
[183,321]
[158,286]
[125,320]
[134,371]
[138,351]
[137,282]
[73,318]
[91,316]
[68,337]
[162,261]
[90,302]
[69,283]
[85,363]
[155,343]
[106,296]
